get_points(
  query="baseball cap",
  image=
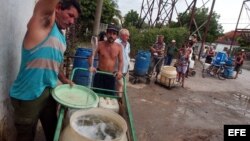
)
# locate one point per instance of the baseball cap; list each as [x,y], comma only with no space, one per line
[173,41]
[242,50]
[112,27]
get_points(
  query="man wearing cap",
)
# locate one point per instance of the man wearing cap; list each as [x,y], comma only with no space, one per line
[108,53]
[170,53]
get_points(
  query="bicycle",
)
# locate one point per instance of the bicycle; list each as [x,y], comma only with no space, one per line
[215,69]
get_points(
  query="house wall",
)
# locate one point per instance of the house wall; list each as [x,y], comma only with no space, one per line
[14,16]
[220,47]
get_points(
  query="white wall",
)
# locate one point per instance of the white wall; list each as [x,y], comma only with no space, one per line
[220,47]
[14,16]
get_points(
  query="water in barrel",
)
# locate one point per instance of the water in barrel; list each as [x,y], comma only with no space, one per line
[97,127]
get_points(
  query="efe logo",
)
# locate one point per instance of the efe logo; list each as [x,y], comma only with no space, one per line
[236,132]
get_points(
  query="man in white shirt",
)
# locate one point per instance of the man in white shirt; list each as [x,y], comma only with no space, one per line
[123,40]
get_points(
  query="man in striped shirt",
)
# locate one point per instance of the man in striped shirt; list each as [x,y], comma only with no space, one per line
[42,58]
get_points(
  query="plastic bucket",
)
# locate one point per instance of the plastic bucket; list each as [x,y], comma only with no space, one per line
[191,65]
[142,62]
[94,125]
[81,61]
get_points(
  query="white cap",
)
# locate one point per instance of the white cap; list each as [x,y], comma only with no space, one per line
[242,50]
[173,41]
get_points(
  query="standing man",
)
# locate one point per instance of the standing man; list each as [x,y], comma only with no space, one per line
[157,51]
[108,53]
[238,63]
[42,64]
[170,53]
[123,41]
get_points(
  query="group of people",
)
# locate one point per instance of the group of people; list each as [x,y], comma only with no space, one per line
[239,57]
[42,65]
[160,53]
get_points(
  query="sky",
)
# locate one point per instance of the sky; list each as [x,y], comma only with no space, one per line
[229,10]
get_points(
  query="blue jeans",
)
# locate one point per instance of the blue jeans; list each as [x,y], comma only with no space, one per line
[168,60]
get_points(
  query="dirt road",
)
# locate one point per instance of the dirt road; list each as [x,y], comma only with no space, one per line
[196,112]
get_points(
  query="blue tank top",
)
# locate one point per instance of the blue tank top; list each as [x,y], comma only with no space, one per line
[39,67]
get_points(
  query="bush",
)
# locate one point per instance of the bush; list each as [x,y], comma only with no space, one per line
[144,38]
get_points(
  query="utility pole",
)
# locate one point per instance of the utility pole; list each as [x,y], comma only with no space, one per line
[206,29]
[98,14]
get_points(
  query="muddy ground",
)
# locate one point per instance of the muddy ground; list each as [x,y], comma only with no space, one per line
[196,112]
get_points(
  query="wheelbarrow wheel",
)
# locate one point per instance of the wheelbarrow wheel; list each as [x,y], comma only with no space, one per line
[147,80]
[193,73]
[134,81]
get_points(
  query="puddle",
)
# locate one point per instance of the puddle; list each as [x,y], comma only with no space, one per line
[239,103]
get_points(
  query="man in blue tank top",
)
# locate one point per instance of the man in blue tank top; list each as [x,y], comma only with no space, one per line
[41,66]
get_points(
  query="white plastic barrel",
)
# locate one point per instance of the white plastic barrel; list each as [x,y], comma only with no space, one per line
[168,71]
[95,124]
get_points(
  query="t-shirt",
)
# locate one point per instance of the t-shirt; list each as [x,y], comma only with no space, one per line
[159,46]
[171,50]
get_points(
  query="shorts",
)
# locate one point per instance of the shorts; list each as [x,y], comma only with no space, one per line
[104,81]
[182,69]
[237,68]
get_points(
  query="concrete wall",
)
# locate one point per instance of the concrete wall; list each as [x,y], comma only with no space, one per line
[14,16]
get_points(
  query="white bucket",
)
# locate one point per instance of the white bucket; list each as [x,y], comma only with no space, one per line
[206,65]
[93,124]
[191,64]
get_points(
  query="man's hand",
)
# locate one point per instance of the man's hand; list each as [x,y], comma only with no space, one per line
[71,83]
[92,69]
[118,75]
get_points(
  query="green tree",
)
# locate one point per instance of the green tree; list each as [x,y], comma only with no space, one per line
[201,15]
[131,18]
[86,20]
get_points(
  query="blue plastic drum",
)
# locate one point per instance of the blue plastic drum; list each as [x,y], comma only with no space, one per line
[81,61]
[142,62]
[229,71]
[220,57]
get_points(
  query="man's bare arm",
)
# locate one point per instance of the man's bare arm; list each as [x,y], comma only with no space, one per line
[40,23]
[43,14]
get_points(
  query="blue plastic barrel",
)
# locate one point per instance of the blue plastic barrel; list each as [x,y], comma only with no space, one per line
[81,61]
[220,57]
[229,71]
[142,62]
[230,61]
